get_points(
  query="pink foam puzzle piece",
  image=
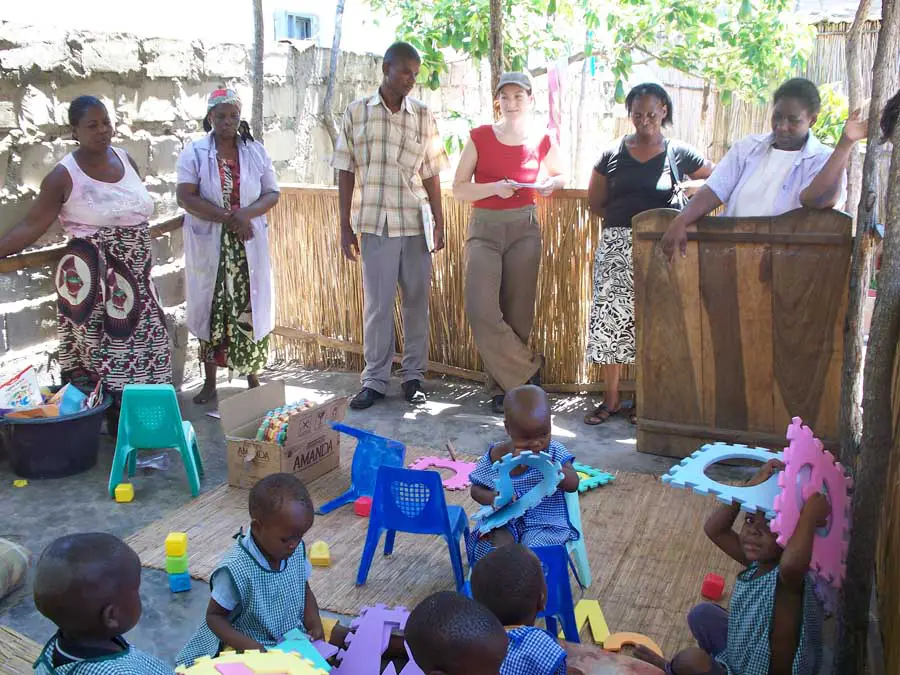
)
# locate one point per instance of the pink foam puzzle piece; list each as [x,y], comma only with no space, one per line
[369,640]
[458,481]
[810,468]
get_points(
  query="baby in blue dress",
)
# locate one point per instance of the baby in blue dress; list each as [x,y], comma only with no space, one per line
[509,581]
[527,421]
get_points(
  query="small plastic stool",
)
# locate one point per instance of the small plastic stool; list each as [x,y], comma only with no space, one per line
[151,419]
[578,549]
[372,451]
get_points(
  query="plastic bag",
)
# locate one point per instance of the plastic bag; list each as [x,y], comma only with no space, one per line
[21,391]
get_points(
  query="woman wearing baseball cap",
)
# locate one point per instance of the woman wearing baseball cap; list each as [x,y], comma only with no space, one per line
[503,168]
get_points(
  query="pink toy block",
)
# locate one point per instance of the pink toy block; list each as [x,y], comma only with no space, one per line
[363,506]
[459,480]
[713,587]
[809,468]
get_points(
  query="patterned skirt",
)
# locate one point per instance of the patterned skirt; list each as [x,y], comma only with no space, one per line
[231,344]
[611,328]
[111,325]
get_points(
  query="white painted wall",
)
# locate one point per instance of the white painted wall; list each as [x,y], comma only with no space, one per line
[222,21]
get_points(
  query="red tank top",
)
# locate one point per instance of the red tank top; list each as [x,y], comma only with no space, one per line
[497,161]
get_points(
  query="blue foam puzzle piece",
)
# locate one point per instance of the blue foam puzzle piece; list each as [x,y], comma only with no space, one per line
[295,640]
[504,508]
[691,474]
[179,583]
[596,478]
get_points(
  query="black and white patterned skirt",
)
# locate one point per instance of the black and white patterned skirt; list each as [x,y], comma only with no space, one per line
[611,326]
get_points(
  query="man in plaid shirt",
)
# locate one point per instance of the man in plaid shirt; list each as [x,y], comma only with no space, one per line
[389,156]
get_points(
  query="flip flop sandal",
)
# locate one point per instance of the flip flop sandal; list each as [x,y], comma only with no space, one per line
[596,417]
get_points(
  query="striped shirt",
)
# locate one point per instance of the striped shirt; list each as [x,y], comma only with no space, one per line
[390,154]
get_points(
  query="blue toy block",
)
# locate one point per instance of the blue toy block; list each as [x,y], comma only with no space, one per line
[372,451]
[504,508]
[151,419]
[691,474]
[296,640]
[410,500]
[555,562]
[179,583]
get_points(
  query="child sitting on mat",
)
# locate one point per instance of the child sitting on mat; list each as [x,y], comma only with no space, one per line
[774,624]
[89,586]
[509,581]
[260,590]
[527,421]
[449,634]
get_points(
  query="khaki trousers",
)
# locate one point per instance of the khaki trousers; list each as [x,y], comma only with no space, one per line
[503,256]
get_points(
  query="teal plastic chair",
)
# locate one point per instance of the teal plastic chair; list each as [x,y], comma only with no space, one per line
[151,419]
[578,549]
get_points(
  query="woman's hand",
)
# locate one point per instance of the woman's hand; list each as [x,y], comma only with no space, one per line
[239,223]
[855,128]
[503,189]
[547,187]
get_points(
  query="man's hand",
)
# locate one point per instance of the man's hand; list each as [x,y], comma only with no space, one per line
[349,243]
[438,238]
[674,238]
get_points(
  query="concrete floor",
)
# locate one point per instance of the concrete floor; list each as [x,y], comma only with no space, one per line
[44,510]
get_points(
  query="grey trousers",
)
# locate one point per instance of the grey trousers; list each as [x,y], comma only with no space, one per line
[503,256]
[387,262]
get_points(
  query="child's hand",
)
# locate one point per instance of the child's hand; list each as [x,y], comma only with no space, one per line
[766,471]
[819,508]
[316,631]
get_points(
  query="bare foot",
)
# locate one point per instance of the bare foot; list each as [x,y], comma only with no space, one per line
[648,656]
[207,394]
[253,380]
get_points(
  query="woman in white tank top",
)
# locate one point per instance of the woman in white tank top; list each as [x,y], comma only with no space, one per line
[111,326]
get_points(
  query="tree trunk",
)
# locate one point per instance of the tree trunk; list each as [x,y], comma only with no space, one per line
[704,114]
[883,82]
[855,79]
[581,131]
[875,454]
[496,58]
[327,104]
[259,44]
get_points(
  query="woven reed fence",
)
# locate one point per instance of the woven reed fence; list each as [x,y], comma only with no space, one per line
[320,301]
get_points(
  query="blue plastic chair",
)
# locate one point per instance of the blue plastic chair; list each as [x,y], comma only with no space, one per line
[555,561]
[372,451]
[151,419]
[408,500]
[578,549]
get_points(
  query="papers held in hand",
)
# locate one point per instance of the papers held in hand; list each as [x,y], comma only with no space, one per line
[428,224]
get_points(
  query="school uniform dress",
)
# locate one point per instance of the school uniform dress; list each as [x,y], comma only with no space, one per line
[269,603]
[58,658]
[547,524]
[533,651]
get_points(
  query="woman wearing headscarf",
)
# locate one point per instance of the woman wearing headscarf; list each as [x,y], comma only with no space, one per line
[111,326]
[227,184]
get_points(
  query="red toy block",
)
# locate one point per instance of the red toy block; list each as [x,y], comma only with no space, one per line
[363,506]
[713,587]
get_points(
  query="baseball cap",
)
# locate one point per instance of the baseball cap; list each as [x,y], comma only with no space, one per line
[518,79]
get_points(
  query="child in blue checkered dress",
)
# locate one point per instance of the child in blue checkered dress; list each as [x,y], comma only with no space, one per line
[527,421]
[774,622]
[261,590]
[509,581]
[450,634]
[89,586]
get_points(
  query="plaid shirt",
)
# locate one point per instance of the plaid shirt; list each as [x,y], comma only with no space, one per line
[390,153]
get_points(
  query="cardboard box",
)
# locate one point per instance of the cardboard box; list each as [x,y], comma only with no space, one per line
[311,447]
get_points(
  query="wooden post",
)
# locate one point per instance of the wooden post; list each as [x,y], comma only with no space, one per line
[259,42]
[496,58]
[877,434]
[883,81]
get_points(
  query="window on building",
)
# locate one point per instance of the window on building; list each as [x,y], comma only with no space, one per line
[291,26]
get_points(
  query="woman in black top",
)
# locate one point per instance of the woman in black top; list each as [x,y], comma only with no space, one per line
[639,172]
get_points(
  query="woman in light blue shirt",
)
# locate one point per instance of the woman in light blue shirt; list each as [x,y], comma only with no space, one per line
[770,174]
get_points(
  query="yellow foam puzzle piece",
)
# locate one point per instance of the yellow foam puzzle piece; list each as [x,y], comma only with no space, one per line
[319,554]
[616,641]
[273,662]
[588,611]
[176,544]
[328,625]
[124,493]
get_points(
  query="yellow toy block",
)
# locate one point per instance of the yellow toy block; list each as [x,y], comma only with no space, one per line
[252,663]
[124,492]
[589,612]
[176,544]
[616,641]
[319,554]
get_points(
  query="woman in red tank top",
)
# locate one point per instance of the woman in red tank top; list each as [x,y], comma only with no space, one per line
[510,165]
